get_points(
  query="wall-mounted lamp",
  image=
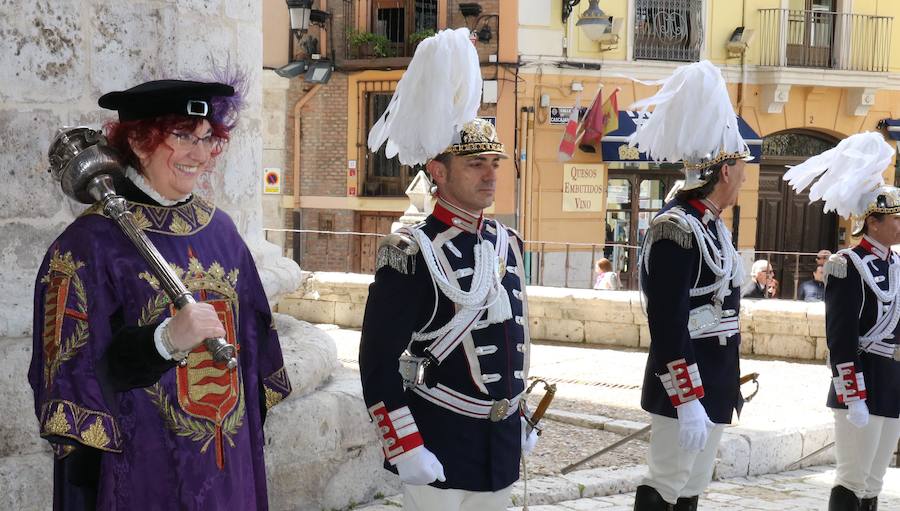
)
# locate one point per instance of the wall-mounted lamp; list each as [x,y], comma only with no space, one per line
[300,11]
[292,69]
[469,10]
[301,16]
[594,22]
[318,71]
[739,41]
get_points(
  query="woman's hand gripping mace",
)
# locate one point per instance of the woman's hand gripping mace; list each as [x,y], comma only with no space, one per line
[114,206]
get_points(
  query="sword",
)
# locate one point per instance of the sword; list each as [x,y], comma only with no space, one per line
[84,165]
[752,377]
[797,463]
[538,414]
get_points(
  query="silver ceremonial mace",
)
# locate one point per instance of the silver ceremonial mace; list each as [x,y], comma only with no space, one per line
[84,165]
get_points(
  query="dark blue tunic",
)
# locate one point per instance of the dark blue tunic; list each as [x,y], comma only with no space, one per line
[477,454]
[673,271]
[851,309]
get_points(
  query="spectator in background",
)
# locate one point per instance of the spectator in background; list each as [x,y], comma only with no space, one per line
[813,290]
[822,257]
[606,278]
[773,288]
[761,274]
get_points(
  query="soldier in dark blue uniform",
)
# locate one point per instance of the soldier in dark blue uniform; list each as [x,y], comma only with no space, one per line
[691,276]
[444,350]
[862,311]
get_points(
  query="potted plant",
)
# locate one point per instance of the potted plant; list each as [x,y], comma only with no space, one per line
[418,36]
[367,45]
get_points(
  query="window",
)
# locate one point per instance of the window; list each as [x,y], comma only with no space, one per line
[668,30]
[397,19]
[385,177]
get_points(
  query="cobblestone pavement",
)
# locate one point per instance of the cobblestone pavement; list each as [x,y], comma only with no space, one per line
[799,490]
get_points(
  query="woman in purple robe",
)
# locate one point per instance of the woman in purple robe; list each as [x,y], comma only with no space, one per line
[137,412]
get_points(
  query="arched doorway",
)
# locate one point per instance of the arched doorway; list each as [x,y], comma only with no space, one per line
[786,221]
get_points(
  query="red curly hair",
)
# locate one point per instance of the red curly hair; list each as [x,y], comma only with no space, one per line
[149,134]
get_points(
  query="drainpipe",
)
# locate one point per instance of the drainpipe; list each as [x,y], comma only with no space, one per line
[298,136]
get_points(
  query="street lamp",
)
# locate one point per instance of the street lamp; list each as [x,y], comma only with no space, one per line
[594,22]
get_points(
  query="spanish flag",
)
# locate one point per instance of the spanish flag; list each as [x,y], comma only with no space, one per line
[600,120]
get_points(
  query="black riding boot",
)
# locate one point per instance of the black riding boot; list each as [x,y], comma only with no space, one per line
[843,499]
[686,504]
[869,504]
[648,499]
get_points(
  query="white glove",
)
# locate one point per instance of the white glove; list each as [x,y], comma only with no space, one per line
[420,467]
[858,413]
[529,440]
[693,426]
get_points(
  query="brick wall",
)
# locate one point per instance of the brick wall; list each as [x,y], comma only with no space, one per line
[322,252]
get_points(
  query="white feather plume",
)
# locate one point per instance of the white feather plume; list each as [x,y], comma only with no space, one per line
[692,117]
[848,174]
[439,92]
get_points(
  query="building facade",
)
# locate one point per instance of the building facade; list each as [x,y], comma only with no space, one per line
[802,74]
[332,183]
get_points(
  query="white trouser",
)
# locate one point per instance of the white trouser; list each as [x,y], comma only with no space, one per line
[673,471]
[863,454]
[429,498]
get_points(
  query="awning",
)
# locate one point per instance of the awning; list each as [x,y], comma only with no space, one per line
[615,143]
[893,128]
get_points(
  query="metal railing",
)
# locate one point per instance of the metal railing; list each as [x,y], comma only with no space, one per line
[547,263]
[393,31]
[668,30]
[823,39]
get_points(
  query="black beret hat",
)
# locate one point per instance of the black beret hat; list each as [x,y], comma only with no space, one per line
[161,97]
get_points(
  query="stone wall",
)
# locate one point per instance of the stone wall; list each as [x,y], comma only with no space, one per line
[774,328]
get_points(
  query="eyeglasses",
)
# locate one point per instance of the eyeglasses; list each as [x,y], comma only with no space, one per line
[188,140]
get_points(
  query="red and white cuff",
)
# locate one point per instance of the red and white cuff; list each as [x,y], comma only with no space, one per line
[849,385]
[682,382]
[398,430]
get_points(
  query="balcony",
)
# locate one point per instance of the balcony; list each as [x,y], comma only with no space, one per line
[825,40]
[388,32]
[670,30]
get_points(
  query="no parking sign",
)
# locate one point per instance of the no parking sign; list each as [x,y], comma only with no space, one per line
[272,180]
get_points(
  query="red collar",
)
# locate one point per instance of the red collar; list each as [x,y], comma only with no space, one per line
[707,210]
[874,248]
[457,217]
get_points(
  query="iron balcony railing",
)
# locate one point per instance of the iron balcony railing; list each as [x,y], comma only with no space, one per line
[823,39]
[668,30]
[387,29]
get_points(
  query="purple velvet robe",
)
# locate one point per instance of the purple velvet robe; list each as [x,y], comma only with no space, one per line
[193,437]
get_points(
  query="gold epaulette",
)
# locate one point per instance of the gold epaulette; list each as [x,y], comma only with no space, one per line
[671,225]
[836,266]
[397,250]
